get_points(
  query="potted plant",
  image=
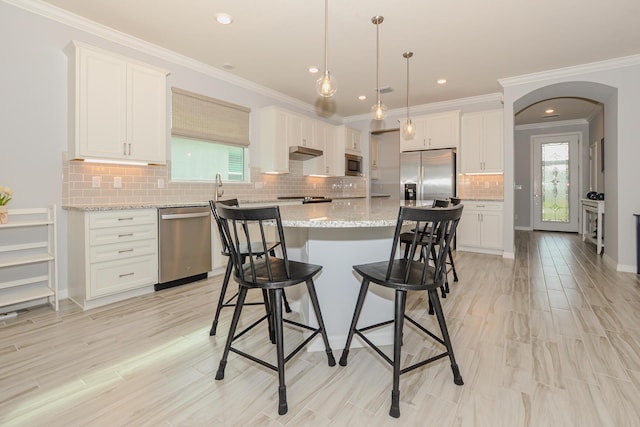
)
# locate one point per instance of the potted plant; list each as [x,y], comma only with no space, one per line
[5,197]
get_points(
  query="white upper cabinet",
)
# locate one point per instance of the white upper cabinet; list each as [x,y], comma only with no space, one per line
[274,149]
[374,171]
[301,131]
[118,108]
[482,142]
[434,131]
[349,138]
[331,163]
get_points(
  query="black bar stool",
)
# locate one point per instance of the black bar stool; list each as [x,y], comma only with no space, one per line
[407,238]
[407,274]
[271,274]
[227,274]
[455,201]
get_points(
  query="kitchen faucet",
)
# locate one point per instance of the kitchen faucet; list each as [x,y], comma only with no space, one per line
[219,191]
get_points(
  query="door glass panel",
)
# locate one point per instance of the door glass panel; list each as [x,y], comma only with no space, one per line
[555,182]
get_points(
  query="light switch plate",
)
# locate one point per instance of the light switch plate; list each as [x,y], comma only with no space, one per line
[160,183]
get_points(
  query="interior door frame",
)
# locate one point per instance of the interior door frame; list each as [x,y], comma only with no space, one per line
[573,208]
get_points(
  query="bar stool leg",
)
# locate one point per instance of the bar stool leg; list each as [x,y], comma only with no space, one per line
[287,308]
[268,307]
[316,308]
[398,323]
[356,315]
[276,294]
[433,297]
[232,330]
[453,266]
[223,292]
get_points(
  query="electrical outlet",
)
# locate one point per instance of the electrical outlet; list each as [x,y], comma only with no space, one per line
[160,183]
[259,185]
[96,181]
[117,182]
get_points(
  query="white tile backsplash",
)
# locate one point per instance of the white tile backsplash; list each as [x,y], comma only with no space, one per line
[140,185]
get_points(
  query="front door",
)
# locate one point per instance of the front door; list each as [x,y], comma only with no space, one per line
[556,182]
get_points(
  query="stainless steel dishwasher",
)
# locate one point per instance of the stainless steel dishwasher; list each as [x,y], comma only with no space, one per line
[184,245]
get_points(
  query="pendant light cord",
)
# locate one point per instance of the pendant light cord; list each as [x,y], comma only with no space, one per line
[408,55]
[326,34]
[378,60]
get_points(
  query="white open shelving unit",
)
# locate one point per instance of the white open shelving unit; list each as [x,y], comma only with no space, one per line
[28,257]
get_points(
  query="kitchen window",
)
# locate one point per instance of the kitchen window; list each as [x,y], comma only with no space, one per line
[208,136]
[195,160]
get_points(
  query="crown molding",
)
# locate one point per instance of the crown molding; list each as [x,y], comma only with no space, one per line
[593,67]
[57,14]
[452,104]
[552,124]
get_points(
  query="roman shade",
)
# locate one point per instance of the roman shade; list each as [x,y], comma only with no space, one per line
[200,117]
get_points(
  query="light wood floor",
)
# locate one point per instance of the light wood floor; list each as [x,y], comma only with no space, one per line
[551,338]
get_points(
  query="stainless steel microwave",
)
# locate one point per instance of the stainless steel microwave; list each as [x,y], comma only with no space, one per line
[352,165]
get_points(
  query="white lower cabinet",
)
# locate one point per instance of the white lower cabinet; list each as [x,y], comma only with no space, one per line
[480,228]
[113,255]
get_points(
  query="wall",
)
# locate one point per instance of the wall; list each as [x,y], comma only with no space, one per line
[34,114]
[615,84]
[596,134]
[522,162]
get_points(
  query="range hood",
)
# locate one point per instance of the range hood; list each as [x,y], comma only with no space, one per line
[303,153]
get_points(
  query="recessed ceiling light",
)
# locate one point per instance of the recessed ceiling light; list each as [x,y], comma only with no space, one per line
[313,69]
[549,110]
[441,81]
[224,18]
[362,97]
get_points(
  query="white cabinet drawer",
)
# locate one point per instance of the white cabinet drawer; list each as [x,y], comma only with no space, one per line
[123,250]
[485,206]
[120,218]
[117,276]
[106,236]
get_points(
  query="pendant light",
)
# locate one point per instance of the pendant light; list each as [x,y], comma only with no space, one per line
[378,109]
[326,85]
[408,128]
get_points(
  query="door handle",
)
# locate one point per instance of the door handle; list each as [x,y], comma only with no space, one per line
[187,215]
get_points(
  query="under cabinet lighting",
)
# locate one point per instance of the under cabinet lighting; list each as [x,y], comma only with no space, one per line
[114,162]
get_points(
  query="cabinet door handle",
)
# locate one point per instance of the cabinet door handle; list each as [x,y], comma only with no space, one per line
[125,250]
[129,149]
[126,274]
[124,148]
[126,219]
[125,235]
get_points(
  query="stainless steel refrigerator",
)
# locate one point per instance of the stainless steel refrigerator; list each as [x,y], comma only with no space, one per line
[428,175]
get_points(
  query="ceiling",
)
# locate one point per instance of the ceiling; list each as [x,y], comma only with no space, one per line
[470,43]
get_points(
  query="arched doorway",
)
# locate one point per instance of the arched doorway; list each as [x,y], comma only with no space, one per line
[554,140]
[520,96]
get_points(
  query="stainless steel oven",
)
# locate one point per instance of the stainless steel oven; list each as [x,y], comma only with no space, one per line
[184,243]
[352,165]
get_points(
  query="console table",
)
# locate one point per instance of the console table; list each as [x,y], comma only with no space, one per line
[593,220]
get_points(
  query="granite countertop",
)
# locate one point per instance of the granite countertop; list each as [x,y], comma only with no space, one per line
[352,213]
[341,213]
[142,205]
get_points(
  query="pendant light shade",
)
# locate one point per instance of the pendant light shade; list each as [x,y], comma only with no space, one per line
[378,109]
[326,85]
[408,128]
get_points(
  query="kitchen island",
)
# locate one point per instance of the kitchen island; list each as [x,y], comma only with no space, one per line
[337,236]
